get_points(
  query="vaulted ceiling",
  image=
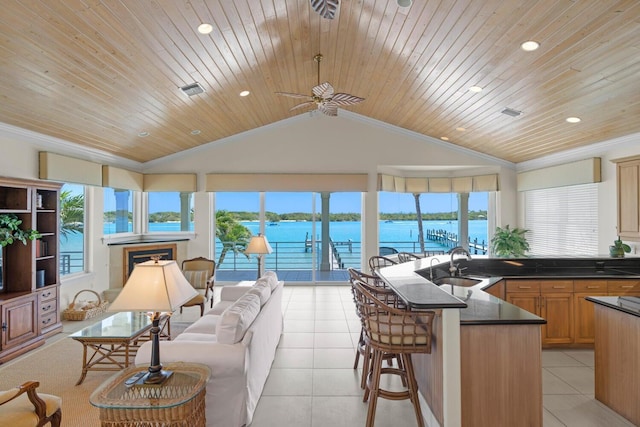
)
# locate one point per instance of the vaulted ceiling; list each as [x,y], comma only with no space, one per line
[105,73]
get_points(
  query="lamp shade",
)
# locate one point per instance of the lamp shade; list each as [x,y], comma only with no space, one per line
[156,285]
[258,245]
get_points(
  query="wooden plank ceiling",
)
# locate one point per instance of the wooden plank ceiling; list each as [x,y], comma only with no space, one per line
[98,73]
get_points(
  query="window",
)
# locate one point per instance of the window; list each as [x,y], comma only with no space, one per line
[562,220]
[118,211]
[398,226]
[72,242]
[170,211]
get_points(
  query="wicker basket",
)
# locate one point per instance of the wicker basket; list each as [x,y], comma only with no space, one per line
[98,307]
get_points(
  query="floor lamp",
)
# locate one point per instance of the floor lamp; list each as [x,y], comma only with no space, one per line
[154,286]
[260,246]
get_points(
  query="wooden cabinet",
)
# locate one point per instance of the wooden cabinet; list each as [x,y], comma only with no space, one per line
[628,192]
[583,321]
[29,304]
[550,299]
[623,287]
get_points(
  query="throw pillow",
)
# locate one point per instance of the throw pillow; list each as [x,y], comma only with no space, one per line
[237,318]
[272,278]
[263,291]
[197,278]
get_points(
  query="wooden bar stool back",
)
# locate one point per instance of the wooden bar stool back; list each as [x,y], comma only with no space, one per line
[388,329]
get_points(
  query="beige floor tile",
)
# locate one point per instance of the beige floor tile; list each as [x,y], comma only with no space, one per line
[296,340]
[585,357]
[330,315]
[336,382]
[581,411]
[342,411]
[549,420]
[582,378]
[283,411]
[299,315]
[288,382]
[336,358]
[557,358]
[332,340]
[336,326]
[299,325]
[293,358]
[551,384]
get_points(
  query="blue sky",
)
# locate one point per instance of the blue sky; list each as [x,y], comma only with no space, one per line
[301,202]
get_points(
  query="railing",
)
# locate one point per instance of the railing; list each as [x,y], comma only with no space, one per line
[71,262]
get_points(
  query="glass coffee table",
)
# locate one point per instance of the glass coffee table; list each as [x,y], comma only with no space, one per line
[111,344]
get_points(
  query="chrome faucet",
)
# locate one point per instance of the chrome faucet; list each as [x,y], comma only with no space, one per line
[453,268]
[431,267]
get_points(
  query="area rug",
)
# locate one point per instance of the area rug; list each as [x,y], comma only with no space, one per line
[57,367]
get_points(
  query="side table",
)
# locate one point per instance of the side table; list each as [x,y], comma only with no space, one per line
[180,401]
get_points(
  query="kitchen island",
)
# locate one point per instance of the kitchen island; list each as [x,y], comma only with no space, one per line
[497,361]
[617,354]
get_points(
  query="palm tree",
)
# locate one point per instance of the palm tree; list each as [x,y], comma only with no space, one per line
[233,235]
[416,196]
[71,213]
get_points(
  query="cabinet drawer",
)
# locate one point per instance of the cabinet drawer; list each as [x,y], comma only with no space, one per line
[49,319]
[50,292]
[590,285]
[556,286]
[48,306]
[623,286]
[523,286]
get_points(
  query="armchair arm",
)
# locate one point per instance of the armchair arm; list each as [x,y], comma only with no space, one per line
[30,388]
[232,293]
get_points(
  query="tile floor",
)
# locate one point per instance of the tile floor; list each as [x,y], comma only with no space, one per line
[312,382]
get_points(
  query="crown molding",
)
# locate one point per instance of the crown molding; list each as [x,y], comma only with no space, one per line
[60,146]
[598,149]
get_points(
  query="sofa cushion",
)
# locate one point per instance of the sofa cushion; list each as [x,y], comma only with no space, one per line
[204,325]
[272,279]
[197,278]
[262,290]
[237,318]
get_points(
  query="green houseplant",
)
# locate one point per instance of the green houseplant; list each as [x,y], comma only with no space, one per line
[11,232]
[509,242]
[618,249]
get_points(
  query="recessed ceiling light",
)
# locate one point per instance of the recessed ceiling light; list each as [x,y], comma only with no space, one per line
[444,138]
[530,45]
[404,3]
[475,89]
[244,93]
[460,129]
[143,134]
[205,28]
[573,119]
[195,132]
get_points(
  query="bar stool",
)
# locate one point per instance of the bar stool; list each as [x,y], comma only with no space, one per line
[378,287]
[391,330]
[378,261]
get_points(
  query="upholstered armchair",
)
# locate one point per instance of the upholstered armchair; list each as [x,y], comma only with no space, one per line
[23,407]
[199,272]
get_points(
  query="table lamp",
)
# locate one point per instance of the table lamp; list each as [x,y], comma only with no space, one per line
[258,245]
[154,286]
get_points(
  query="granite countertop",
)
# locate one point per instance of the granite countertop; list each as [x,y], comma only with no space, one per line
[629,305]
[411,281]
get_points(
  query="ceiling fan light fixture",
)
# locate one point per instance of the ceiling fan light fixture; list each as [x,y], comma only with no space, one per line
[530,45]
[404,3]
[475,89]
[205,28]
[573,119]
[245,93]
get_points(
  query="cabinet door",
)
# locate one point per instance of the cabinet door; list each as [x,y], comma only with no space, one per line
[557,310]
[628,179]
[584,332]
[19,321]
[529,301]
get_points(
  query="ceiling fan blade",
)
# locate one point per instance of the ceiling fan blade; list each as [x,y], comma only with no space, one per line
[323,90]
[329,108]
[295,95]
[325,8]
[304,104]
[346,99]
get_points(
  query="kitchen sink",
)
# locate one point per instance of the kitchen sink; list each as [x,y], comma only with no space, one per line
[456,281]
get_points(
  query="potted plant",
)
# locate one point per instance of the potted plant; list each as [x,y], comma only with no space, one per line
[11,232]
[509,243]
[618,249]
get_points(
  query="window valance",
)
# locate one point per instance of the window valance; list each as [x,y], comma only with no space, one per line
[285,182]
[463,184]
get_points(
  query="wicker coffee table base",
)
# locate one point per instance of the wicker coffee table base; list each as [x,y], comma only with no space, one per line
[190,414]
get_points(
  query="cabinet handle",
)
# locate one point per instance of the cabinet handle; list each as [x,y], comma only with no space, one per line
[4,326]
[593,287]
[46,294]
[524,287]
[627,286]
[46,322]
[46,308]
[559,287]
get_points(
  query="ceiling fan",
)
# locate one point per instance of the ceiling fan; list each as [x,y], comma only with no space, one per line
[325,8]
[323,96]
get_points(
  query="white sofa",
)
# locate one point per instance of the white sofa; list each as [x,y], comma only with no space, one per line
[237,339]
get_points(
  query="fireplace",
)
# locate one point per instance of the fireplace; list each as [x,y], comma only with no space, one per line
[136,254]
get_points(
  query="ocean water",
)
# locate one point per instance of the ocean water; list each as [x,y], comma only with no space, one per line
[288,239]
